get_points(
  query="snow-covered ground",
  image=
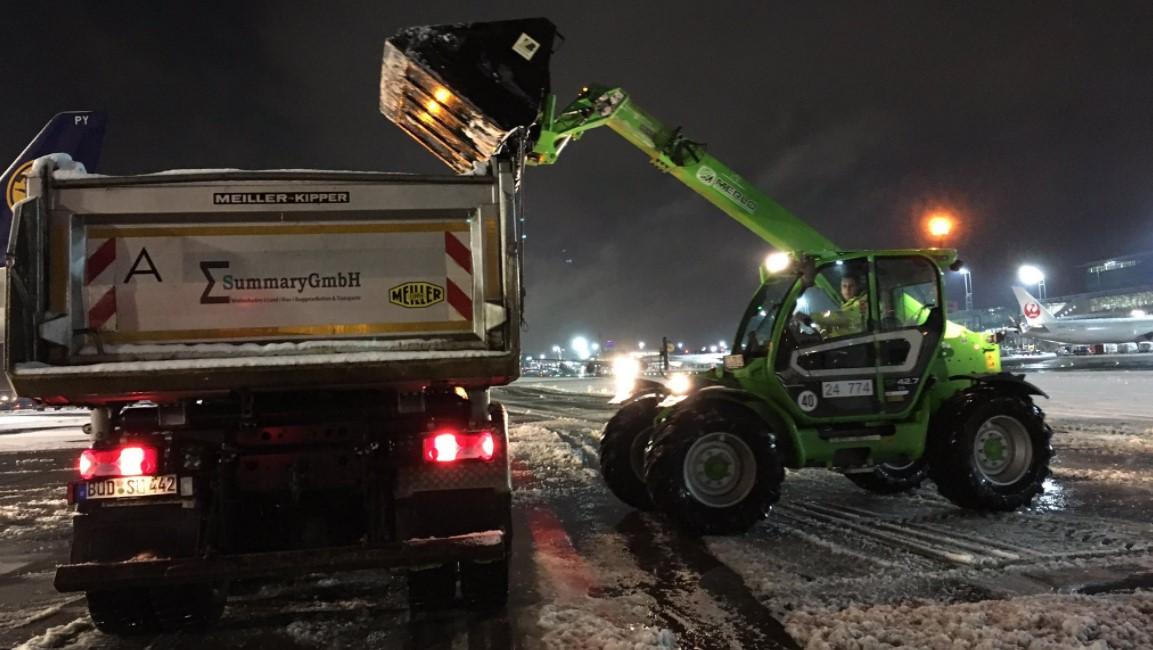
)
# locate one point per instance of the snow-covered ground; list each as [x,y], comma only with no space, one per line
[833,566]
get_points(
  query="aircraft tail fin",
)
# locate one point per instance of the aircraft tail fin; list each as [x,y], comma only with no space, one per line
[80,134]
[1035,313]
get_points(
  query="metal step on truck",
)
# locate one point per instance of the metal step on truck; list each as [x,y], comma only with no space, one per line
[288,372]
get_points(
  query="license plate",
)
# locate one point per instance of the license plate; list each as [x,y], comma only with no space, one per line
[850,388]
[127,487]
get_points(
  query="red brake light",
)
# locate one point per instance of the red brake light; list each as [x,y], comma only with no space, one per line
[132,460]
[444,448]
[450,446]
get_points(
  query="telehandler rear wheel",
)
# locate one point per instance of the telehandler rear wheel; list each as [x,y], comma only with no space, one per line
[993,453]
[887,478]
[714,469]
[622,452]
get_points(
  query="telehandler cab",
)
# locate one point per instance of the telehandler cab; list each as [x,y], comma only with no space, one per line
[878,386]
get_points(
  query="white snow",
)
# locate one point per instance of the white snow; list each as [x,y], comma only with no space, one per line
[571,628]
[177,350]
[78,634]
[349,358]
[1034,622]
[1114,394]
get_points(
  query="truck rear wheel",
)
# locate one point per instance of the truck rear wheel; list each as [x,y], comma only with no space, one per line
[188,607]
[993,453]
[484,585]
[622,452]
[123,612]
[888,478]
[432,589]
[714,469]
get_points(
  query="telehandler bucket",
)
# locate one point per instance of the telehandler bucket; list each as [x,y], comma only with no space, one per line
[461,90]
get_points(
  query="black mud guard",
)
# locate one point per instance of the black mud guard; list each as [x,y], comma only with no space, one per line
[757,407]
[1006,381]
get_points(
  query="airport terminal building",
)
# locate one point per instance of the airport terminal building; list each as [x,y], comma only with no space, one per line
[1112,287]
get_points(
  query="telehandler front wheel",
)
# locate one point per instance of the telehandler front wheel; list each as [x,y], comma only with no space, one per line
[622,452]
[714,469]
[993,453]
[888,478]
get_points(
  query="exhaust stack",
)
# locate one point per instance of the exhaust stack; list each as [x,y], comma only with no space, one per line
[461,89]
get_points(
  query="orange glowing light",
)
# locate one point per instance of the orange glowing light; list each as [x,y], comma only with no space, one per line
[939,225]
[442,95]
[432,107]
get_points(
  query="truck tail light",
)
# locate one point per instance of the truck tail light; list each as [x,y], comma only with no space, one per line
[452,446]
[131,460]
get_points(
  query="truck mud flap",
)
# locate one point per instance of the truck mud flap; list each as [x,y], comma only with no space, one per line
[482,547]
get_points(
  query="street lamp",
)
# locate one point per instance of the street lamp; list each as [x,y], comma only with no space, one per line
[939,225]
[580,347]
[558,351]
[1030,275]
[967,275]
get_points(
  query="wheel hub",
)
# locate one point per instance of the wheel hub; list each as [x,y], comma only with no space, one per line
[720,469]
[1002,450]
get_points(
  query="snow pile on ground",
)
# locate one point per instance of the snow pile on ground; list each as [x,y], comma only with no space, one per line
[577,629]
[80,633]
[541,447]
[1036,622]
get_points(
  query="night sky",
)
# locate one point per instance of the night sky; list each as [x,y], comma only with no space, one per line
[1032,121]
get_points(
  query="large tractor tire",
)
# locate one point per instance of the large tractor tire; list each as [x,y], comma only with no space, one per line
[622,452]
[992,452]
[714,469]
[887,478]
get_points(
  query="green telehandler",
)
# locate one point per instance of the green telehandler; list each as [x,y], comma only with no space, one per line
[843,359]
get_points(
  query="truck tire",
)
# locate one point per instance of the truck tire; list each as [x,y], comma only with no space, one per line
[432,589]
[188,607]
[122,612]
[714,469]
[484,585]
[992,453]
[892,479]
[622,452]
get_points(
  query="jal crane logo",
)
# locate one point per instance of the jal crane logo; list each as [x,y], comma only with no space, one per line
[1032,310]
[17,189]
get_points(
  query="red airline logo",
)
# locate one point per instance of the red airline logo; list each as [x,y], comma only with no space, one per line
[1032,310]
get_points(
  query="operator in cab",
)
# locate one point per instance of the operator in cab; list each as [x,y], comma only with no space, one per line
[852,317]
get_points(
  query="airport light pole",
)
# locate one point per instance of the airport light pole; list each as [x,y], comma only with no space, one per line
[968,277]
[1030,275]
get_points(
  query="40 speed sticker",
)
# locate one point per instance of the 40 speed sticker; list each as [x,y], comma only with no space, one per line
[807,400]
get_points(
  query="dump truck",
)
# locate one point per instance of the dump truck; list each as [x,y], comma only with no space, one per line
[288,372]
[844,359]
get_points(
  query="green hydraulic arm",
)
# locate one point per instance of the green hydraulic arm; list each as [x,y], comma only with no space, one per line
[685,159]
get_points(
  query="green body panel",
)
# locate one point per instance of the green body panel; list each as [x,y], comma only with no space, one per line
[960,351]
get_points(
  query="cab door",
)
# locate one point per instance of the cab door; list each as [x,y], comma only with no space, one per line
[860,337]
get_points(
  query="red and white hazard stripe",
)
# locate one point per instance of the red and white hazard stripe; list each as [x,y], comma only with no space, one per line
[100,284]
[458,269]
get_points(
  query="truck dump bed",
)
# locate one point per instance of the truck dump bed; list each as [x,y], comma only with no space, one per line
[194,282]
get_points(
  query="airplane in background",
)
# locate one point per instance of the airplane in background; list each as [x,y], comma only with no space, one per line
[80,134]
[1041,324]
